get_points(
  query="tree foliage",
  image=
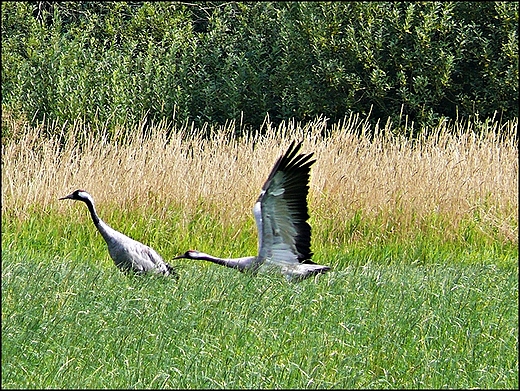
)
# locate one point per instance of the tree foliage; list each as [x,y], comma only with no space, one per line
[212,62]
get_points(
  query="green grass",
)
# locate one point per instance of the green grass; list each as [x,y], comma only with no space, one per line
[415,312]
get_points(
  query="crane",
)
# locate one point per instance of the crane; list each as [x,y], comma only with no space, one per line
[281,218]
[127,253]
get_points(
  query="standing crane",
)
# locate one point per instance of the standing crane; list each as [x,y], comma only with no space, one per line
[281,215]
[128,254]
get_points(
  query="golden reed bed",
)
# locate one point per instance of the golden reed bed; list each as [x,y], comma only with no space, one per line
[459,171]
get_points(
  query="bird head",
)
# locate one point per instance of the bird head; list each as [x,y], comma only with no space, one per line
[80,195]
[190,254]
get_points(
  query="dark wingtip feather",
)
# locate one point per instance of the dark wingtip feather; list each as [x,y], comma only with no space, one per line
[297,166]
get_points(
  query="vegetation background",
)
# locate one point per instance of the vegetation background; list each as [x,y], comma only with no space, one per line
[213,62]
[172,114]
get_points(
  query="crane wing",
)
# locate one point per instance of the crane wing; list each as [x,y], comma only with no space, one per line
[281,214]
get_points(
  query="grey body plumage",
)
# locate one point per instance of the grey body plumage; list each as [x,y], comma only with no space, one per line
[128,254]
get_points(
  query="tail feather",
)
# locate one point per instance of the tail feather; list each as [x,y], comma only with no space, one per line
[303,271]
[171,271]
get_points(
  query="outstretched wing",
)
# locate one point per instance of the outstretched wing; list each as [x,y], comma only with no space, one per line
[284,236]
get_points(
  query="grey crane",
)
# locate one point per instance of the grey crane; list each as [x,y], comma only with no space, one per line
[128,254]
[281,218]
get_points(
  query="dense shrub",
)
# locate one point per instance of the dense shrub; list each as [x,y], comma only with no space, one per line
[211,62]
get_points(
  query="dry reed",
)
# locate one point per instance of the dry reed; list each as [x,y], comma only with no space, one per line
[456,172]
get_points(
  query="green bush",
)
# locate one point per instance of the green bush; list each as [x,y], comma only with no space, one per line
[212,62]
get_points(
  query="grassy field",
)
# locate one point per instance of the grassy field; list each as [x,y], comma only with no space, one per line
[421,235]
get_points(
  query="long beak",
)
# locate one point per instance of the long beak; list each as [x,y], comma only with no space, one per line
[66,197]
[179,257]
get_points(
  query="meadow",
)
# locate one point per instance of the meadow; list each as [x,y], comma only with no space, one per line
[421,234]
